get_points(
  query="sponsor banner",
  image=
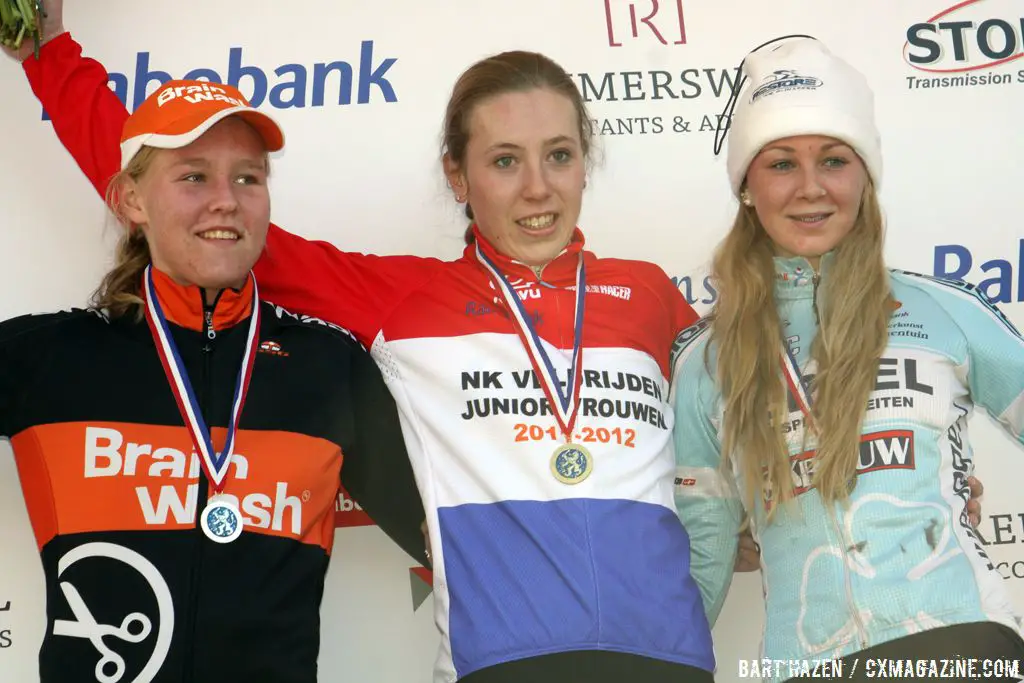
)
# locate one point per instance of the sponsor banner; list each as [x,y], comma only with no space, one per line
[360,91]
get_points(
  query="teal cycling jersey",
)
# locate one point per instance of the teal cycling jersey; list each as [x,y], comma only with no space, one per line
[901,556]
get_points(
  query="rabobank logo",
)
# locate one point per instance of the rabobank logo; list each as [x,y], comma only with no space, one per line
[696,290]
[1000,279]
[363,77]
[971,43]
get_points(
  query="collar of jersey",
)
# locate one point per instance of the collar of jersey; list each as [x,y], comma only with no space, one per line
[560,270]
[183,304]
[794,275]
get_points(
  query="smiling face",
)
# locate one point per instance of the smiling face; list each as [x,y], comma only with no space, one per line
[524,172]
[205,207]
[807,193]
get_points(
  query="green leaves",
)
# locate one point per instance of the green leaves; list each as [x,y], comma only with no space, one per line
[19,18]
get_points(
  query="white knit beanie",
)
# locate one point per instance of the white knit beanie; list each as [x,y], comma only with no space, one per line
[798,87]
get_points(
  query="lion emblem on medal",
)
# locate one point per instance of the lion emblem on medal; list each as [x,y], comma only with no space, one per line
[571,464]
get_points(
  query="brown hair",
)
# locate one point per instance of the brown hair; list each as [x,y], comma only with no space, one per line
[120,290]
[855,307]
[515,71]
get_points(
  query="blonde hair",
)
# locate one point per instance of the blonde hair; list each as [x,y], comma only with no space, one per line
[854,308]
[120,290]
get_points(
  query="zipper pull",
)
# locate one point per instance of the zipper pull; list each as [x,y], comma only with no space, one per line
[208,322]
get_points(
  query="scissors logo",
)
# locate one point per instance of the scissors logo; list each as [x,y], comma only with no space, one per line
[135,627]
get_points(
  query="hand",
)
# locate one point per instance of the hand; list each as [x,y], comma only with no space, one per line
[426,541]
[51,26]
[748,558]
[974,504]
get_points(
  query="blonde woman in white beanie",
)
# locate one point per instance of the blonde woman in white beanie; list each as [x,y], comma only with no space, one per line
[857,488]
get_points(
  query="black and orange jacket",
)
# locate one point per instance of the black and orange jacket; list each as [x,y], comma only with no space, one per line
[112,486]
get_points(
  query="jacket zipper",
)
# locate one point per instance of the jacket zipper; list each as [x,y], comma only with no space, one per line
[855,613]
[203,391]
[814,298]
[843,545]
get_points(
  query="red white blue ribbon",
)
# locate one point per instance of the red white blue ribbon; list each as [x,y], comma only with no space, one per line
[795,381]
[214,464]
[566,407]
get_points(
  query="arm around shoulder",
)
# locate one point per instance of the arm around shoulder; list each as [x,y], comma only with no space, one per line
[376,471]
[707,501]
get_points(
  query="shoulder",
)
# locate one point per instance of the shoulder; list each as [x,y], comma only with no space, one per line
[310,326]
[959,299]
[33,327]
[645,271]
[689,345]
[648,277]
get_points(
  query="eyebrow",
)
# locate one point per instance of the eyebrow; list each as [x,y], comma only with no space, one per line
[824,148]
[199,161]
[557,140]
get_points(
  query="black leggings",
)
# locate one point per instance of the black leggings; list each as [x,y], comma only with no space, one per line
[994,648]
[589,666]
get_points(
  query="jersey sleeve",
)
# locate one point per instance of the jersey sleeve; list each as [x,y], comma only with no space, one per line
[376,470]
[995,353]
[707,500]
[25,342]
[355,291]
[86,114]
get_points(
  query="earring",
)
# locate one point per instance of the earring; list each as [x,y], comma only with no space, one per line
[745,198]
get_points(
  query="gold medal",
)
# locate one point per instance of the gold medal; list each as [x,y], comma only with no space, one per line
[571,463]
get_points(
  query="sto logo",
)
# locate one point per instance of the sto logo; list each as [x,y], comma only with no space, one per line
[135,628]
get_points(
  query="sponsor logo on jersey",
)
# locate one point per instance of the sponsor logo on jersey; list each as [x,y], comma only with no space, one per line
[272,348]
[886,450]
[152,630]
[108,454]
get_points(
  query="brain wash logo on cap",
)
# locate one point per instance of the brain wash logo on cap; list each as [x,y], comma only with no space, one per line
[782,81]
[194,94]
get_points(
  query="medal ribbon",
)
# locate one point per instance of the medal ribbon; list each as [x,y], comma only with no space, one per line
[214,465]
[795,381]
[567,406]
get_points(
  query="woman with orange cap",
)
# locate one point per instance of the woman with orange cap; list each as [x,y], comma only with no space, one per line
[179,442]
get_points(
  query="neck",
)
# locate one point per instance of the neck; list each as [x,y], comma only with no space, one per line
[815,261]
[210,295]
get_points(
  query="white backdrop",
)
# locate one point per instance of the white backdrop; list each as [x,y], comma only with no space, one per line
[366,176]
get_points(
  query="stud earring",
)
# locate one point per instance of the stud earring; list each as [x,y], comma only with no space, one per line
[745,198]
